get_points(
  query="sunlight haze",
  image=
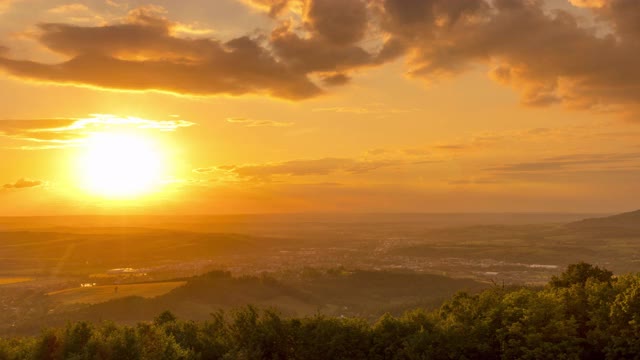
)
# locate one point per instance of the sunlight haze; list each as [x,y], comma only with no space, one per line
[261,107]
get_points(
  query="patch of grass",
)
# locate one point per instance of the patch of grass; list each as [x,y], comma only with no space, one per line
[99,294]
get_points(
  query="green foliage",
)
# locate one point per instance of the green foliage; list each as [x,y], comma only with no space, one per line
[585,313]
[625,320]
[579,274]
[164,318]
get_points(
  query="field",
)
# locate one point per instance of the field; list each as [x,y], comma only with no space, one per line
[338,267]
[13,280]
[99,294]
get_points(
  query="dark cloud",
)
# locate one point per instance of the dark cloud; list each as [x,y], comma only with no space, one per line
[335,79]
[332,40]
[313,54]
[549,57]
[339,22]
[143,55]
[625,17]
[418,20]
[23,184]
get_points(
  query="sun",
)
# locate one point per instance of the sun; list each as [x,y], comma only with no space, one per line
[121,165]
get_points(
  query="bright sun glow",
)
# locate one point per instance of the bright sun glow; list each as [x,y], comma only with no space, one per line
[120,165]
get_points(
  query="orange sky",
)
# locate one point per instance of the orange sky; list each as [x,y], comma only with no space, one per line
[325,105]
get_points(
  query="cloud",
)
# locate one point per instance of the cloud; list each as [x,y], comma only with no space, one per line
[58,133]
[317,54]
[574,162]
[110,121]
[146,52]
[338,22]
[347,109]
[549,57]
[474,181]
[375,108]
[336,79]
[330,38]
[143,54]
[23,184]
[452,147]
[258,123]
[312,167]
[588,3]
[69,9]
[273,7]
[116,4]
[38,130]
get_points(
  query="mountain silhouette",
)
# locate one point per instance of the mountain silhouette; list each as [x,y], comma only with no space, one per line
[630,220]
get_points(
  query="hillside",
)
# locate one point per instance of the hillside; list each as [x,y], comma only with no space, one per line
[335,292]
[584,313]
[630,220]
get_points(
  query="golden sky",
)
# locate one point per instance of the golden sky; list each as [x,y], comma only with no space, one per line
[270,106]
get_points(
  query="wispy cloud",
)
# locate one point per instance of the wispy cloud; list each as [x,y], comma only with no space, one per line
[573,162]
[69,9]
[23,184]
[307,167]
[375,108]
[60,133]
[258,123]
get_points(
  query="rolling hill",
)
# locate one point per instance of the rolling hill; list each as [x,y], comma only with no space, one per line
[629,220]
[334,293]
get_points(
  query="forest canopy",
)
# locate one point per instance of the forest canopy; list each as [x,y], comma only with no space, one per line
[584,313]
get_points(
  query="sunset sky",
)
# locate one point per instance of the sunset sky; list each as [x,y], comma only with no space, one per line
[276,106]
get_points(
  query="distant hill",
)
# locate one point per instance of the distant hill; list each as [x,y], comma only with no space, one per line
[335,292]
[630,220]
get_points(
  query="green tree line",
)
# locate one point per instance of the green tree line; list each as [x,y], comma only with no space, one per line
[584,313]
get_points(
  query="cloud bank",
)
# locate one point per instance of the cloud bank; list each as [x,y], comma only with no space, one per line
[549,57]
[143,54]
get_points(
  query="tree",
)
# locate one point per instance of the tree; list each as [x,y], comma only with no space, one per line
[624,331]
[165,317]
[579,274]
